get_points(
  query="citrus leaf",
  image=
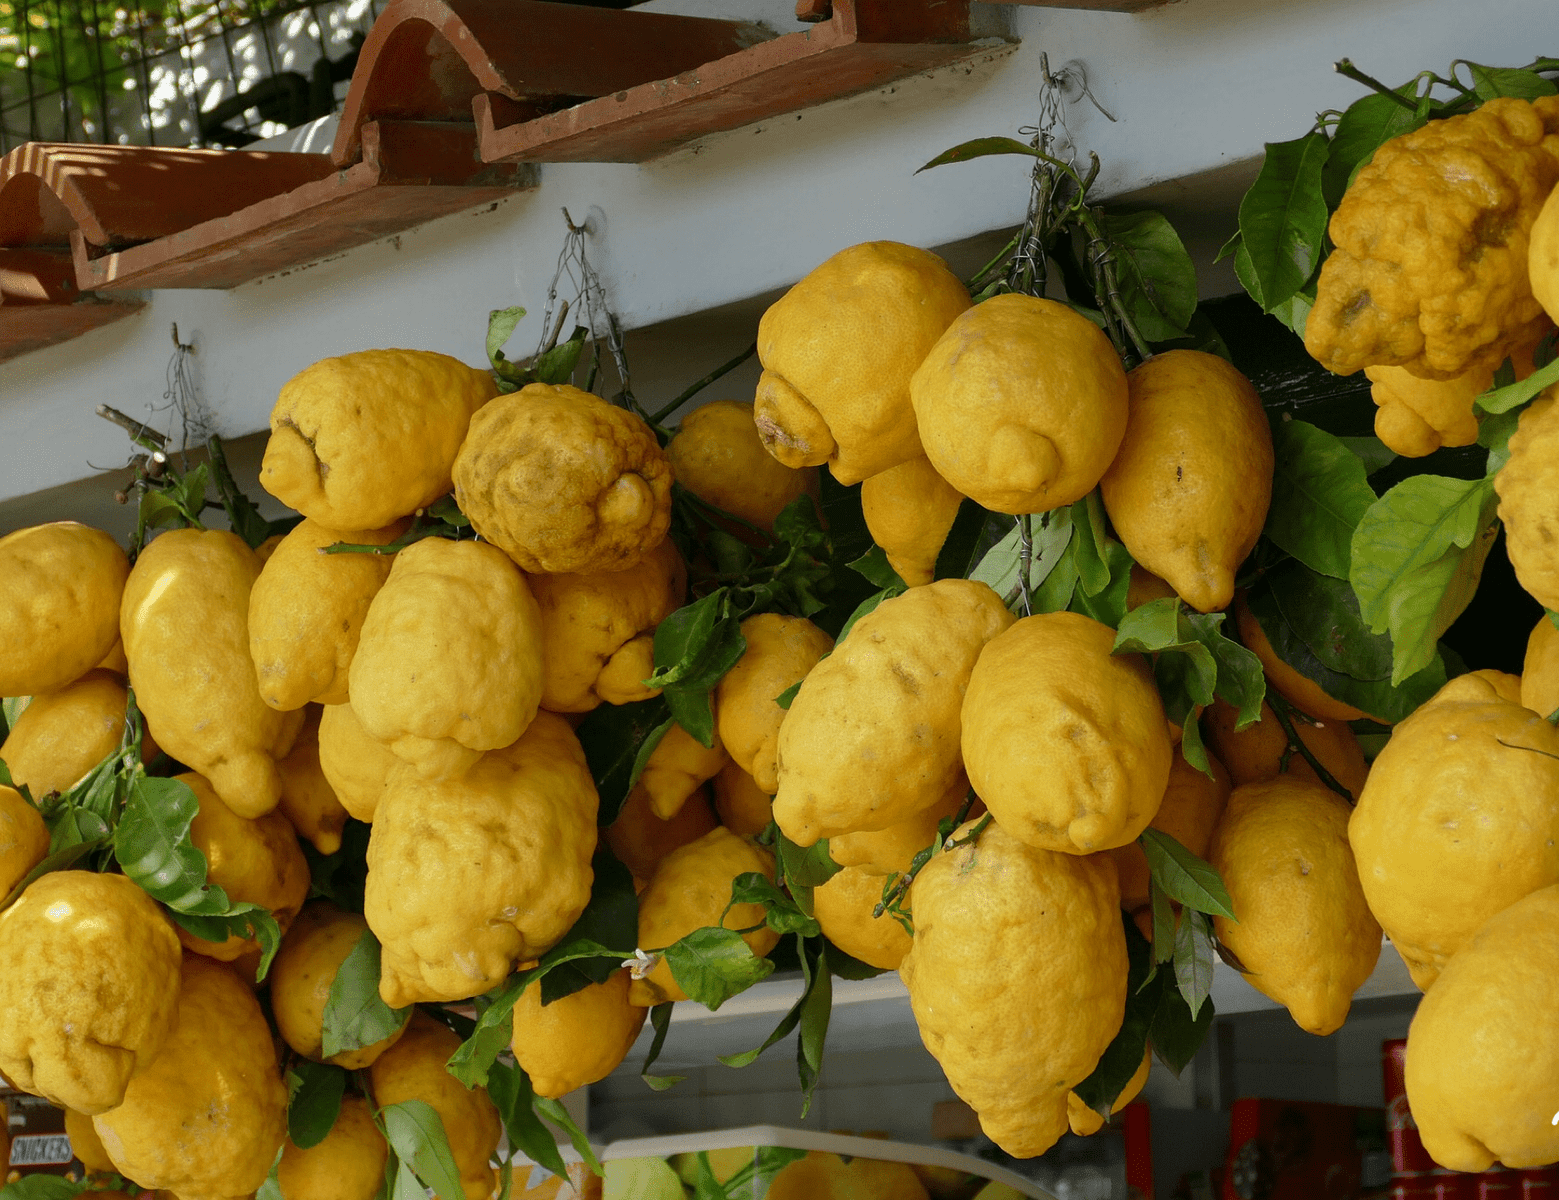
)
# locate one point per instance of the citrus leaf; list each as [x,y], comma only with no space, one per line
[1163,924]
[785,698]
[1052,534]
[611,918]
[713,964]
[787,1023]
[240,920]
[816,1005]
[660,1021]
[1183,876]
[1371,451]
[1319,495]
[416,1133]
[1417,556]
[354,1014]
[982,148]
[554,1111]
[153,848]
[873,567]
[1513,395]
[1123,1056]
[1193,959]
[1283,219]
[500,327]
[1157,277]
[1176,1034]
[1492,82]
[617,740]
[962,543]
[314,1105]
[39,1186]
[1365,126]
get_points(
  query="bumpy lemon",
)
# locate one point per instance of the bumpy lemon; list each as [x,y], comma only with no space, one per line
[780,651]
[872,737]
[843,907]
[678,766]
[909,510]
[1458,820]
[563,481]
[1065,742]
[414,1069]
[1483,1049]
[307,799]
[1299,690]
[744,807]
[1021,404]
[691,889]
[449,663]
[362,439]
[306,612]
[59,604]
[205,1118]
[838,351]
[24,839]
[356,765]
[576,1040]
[1085,1122]
[1189,487]
[301,977]
[89,982]
[1415,417]
[995,910]
[717,455]
[891,851]
[185,622]
[640,839]
[598,629]
[254,862]
[347,1165]
[1261,750]
[1526,486]
[1305,935]
[467,876]
[1192,804]
[62,735]
[1539,669]
[84,1142]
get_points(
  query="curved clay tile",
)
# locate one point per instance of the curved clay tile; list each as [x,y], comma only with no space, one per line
[428,60]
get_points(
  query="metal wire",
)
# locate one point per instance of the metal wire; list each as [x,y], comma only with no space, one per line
[587,298]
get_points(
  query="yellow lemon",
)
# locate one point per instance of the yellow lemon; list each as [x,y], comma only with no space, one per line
[1539,670]
[1188,813]
[1261,750]
[891,851]
[578,1039]
[60,586]
[640,839]
[62,735]
[24,839]
[717,455]
[843,907]
[347,1165]
[307,799]
[1085,1122]
[780,651]
[909,510]
[356,765]
[744,808]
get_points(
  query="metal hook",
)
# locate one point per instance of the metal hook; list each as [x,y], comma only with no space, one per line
[1071,83]
[178,345]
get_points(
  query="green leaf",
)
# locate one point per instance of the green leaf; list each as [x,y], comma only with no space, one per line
[1503,399]
[511,1091]
[781,912]
[999,568]
[1123,1056]
[1371,451]
[1193,959]
[1245,272]
[866,606]
[788,1022]
[808,866]
[554,1111]
[241,920]
[785,698]
[557,364]
[816,1005]
[962,542]
[1319,495]
[1494,433]
[1157,278]
[1194,660]
[1492,82]
[339,877]
[242,514]
[1417,557]
[873,567]
[617,740]
[1183,876]
[416,1133]
[694,648]
[1366,125]
[611,918]
[1192,748]
[312,1110]
[354,1014]
[153,848]
[39,1186]
[1059,588]
[982,148]
[1176,1034]
[500,327]
[1313,624]
[1283,218]
[1103,565]
[847,966]
[660,1021]
[713,964]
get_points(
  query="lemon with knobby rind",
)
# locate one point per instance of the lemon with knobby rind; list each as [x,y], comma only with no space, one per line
[356,765]
[62,735]
[362,439]
[780,651]
[678,766]
[89,983]
[60,586]
[892,850]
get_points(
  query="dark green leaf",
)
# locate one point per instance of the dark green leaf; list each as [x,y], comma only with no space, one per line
[808,866]
[1163,924]
[866,606]
[1157,278]
[1193,956]
[339,877]
[784,698]
[311,1112]
[1183,876]
[713,964]
[611,918]
[816,1004]
[1175,1033]
[354,1014]
[1201,335]
[1503,399]
[1371,451]
[416,1133]
[849,967]
[241,920]
[660,1021]
[500,327]
[510,1089]
[787,1023]
[873,567]
[981,148]
[554,1111]
[1492,82]
[1103,564]
[1055,594]
[1245,272]
[1417,556]
[557,364]
[1192,749]
[962,542]
[43,1187]
[152,846]
[781,913]
[1283,218]
[617,740]
[1123,1056]
[688,638]
[242,514]
[1367,124]
[1319,495]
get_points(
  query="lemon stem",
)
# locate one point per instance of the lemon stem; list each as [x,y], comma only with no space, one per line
[1284,713]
